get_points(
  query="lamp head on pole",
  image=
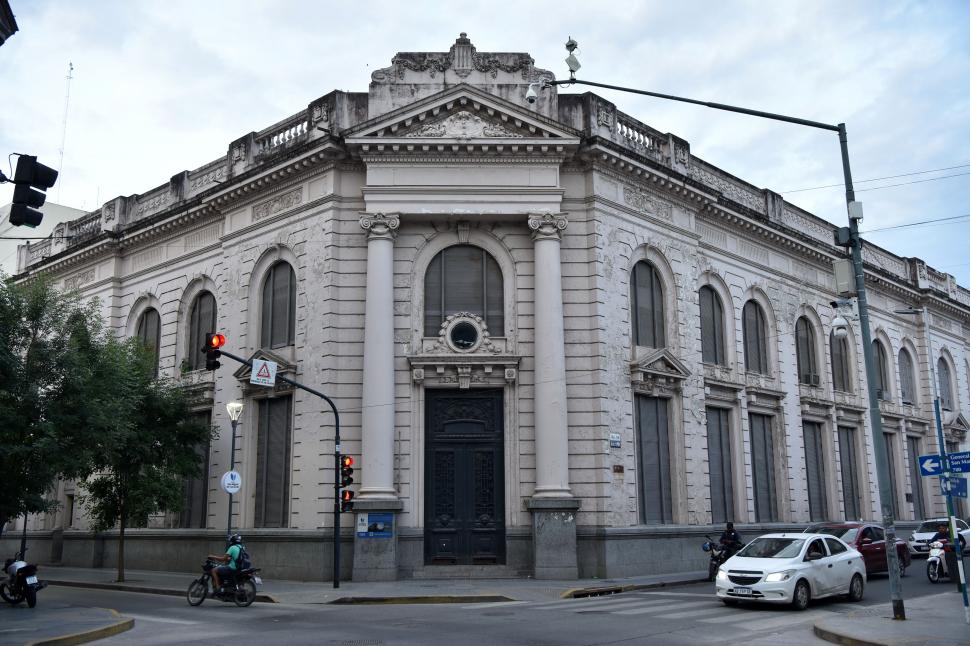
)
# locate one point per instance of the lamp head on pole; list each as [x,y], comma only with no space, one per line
[235,410]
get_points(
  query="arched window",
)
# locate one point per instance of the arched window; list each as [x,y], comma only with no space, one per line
[945,384]
[279,307]
[907,380]
[805,353]
[882,370]
[755,331]
[841,377]
[712,327]
[202,320]
[464,278]
[149,330]
[647,296]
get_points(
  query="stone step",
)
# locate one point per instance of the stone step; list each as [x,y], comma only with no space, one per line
[463,572]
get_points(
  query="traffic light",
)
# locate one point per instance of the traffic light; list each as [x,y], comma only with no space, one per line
[30,174]
[346,479]
[212,344]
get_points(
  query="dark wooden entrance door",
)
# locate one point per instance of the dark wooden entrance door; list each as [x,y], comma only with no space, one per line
[464,499]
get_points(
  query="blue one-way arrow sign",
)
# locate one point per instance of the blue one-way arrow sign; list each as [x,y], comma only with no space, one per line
[930,465]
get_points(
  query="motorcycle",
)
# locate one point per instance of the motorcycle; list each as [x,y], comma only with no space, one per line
[719,554]
[936,562]
[22,583]
[241,589]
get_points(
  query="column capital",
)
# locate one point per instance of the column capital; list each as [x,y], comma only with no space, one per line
[380,225]
[547,226]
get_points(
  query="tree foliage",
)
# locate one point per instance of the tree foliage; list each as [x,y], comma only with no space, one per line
[49,342]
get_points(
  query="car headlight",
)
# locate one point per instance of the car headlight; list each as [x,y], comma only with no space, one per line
[775,577]
[722,575]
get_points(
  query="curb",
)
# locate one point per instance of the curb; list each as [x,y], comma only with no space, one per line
[88,635]
[481,598]
[578,593]
[124,587]
[838,638]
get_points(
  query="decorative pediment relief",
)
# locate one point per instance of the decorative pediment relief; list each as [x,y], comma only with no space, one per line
[464,114]
[658,373]
[956,428]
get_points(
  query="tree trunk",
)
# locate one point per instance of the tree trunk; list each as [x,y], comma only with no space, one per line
[121,542]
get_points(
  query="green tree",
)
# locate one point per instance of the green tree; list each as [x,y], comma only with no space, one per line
[145,447]
[49,340]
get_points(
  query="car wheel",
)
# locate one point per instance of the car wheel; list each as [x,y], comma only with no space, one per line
[856,588]
[802,595]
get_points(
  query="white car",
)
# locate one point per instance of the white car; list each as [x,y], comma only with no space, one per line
[919,541]
[792,568]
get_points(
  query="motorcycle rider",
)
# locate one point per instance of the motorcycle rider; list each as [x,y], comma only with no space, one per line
[224,572]
[943,535]
[731,541]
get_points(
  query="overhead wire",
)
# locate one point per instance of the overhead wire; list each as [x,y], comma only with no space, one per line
[879,179]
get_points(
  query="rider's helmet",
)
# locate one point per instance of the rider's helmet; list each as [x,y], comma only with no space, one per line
[235,539]
[706,546]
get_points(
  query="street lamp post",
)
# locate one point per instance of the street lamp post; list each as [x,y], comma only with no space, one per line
[235,410]
[941,441]
[850,237]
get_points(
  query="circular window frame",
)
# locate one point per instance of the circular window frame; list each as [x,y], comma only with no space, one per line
[462,320]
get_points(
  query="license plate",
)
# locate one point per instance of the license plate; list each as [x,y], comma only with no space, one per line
[31,580]
[258,580]
[921,548]
[742,591]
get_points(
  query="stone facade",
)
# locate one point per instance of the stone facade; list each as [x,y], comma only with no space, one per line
[361,192]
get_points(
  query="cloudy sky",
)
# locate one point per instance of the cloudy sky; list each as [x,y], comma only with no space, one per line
[161,87]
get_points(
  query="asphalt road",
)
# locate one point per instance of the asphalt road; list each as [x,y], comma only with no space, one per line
[688,614]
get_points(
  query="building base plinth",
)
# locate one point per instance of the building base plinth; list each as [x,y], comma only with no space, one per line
[554,537]
[375,540]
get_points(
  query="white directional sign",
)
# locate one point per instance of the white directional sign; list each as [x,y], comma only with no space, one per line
[264,373]
[960,462]
[231,482]
[930,465]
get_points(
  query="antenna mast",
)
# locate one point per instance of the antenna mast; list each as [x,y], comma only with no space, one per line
[67,101]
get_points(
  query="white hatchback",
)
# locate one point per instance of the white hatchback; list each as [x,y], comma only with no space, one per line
[919,542]
[792,568]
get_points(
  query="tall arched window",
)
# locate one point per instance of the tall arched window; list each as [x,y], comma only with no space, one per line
[464,278]
[647,297]
[882,369]
[841,377]
[279,307]
[755,331]
[805,353]
[945,384]
[149,330]
[907,380]
[712,327]
[202,319]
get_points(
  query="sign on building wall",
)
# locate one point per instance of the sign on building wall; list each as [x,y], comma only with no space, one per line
[375,525]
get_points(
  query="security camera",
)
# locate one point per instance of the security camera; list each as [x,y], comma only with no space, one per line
[531,95]
[840,327]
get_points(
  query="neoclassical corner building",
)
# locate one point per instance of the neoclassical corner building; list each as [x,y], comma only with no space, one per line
[559,342]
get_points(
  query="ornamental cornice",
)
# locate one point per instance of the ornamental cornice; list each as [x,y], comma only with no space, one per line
[380,226]
[623,169]
[719,214]
[476,152]
[258,187]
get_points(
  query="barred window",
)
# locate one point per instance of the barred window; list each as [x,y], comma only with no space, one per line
[882,370]
[464,278]
[149,330]
[654,463]
[279,307]
[202,320]
[712,327]
[763,468]
[815,470]
[719,458]
[647,299]
[193,515]
[915,476]
[755,331]
[805,353]
[841,376]
[849,465]
[273,437]
[945,384]
[907,380]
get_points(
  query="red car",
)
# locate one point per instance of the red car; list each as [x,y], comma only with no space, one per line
[870,540]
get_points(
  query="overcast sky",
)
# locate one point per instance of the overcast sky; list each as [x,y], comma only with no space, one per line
[161,87]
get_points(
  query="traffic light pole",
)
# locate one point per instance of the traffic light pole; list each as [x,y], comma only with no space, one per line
[336,460]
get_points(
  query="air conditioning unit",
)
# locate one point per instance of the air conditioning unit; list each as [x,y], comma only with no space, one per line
[815,380]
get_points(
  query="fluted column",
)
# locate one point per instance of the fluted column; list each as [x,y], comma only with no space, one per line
[377,416]
[552,451]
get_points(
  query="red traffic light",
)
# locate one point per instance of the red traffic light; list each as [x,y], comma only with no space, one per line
[346,461]
[346,495]
[217,340]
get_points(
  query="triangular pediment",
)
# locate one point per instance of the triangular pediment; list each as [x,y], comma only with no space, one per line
[659,363]
[958,425]
[282,365]
[461,115]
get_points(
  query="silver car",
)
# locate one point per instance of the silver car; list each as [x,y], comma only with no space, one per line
[792,568]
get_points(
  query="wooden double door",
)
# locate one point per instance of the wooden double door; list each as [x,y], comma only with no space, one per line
[464,516]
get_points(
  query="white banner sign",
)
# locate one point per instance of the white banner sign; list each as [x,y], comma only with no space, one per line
[231,482]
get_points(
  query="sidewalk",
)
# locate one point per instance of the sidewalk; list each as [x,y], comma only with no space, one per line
[937,619]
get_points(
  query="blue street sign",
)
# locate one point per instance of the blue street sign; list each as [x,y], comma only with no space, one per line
[954,486]
[960,462]
[930,465]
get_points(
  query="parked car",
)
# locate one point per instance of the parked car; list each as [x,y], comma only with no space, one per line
[870,540]
[919,541]
[792,568]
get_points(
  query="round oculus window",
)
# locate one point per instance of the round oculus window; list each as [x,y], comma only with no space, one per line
[464,335]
